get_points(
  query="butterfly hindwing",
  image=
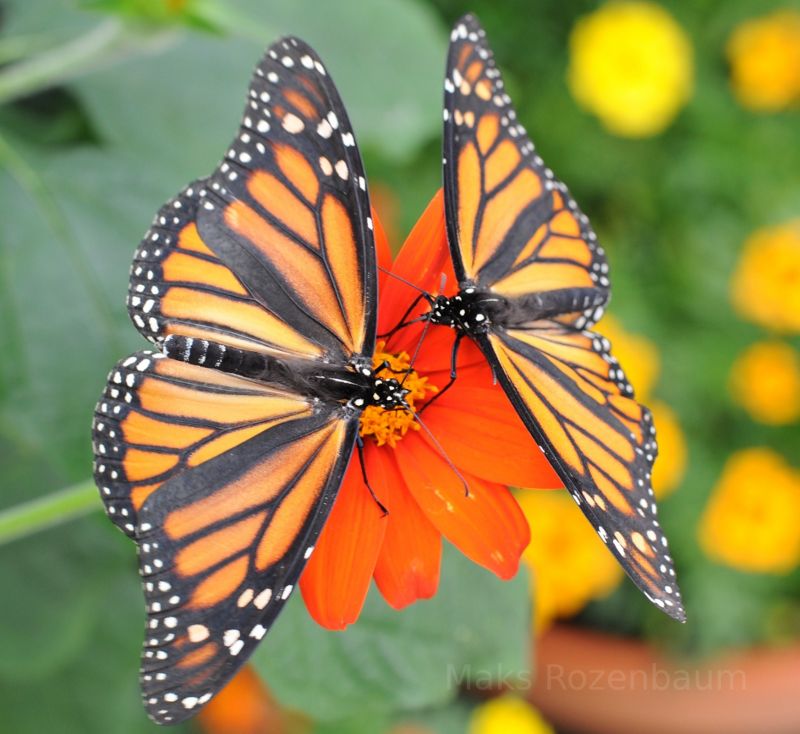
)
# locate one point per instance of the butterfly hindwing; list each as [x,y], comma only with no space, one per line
[159,417]
[288,208]
[221,548]
[575,399]
[512,226]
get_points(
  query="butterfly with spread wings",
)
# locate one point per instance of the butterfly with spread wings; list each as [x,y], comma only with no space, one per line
[221,453]
[532,282]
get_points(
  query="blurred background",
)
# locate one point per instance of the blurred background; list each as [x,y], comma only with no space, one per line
[676,126]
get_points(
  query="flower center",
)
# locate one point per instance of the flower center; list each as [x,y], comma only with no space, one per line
[389,426]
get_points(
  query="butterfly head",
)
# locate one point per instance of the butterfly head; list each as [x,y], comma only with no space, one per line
[441,311]
[388,393]
[469,311]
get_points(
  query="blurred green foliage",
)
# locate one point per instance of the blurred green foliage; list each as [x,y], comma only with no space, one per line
[86,163]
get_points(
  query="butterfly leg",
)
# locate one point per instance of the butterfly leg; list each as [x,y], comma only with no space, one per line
[360,447]
[388,367]
[451,381]
[403,323]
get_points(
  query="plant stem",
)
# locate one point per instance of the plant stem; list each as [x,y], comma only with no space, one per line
[105,43]
[44,512]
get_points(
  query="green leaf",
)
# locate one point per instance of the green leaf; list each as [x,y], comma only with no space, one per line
[63,267]
[59,579]
[475,627]
[53,19]
[178,109]
[69,650]
[48,616]
[451,719]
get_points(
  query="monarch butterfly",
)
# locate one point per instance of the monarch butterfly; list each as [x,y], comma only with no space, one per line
[221,453]
[532,282]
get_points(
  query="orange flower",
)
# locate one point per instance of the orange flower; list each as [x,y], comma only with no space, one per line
[244,706]
[474,426]
[764,55]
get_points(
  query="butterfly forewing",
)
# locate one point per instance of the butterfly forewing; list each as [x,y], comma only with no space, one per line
[512,226]
[288,209]
[515,231]
[179,286]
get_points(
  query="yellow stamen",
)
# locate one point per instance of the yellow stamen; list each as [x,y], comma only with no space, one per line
[387,427]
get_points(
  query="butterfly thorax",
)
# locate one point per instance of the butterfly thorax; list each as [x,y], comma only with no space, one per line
[358,388]
[471,311]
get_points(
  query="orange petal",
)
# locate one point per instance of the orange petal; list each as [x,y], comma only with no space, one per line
[336,580]
[475,421]
[422,260]
[482,434]
[408,564]
[486,524]
[243,706]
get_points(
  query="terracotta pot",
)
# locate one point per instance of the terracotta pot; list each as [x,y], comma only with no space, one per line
[592,683]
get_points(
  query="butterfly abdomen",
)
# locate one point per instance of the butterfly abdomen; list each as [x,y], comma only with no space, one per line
[255,365]
[551,304]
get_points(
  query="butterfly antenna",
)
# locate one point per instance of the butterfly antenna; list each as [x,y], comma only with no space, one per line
[425,294]
[443,453]
[413,359]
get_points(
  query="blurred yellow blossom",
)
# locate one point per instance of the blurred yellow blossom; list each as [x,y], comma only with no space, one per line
[508,715]
[631,65]
[570,565]
[765,288]
[637,355]
[751,520]
[764,55]
[765,381]
[670,466]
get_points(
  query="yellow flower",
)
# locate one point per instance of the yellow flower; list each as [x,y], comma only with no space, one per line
[751,520]
[631,65]
[637,355]
[764,55]
[570,565]
[765,288]
[765,381]
[670,465]
[508,715]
